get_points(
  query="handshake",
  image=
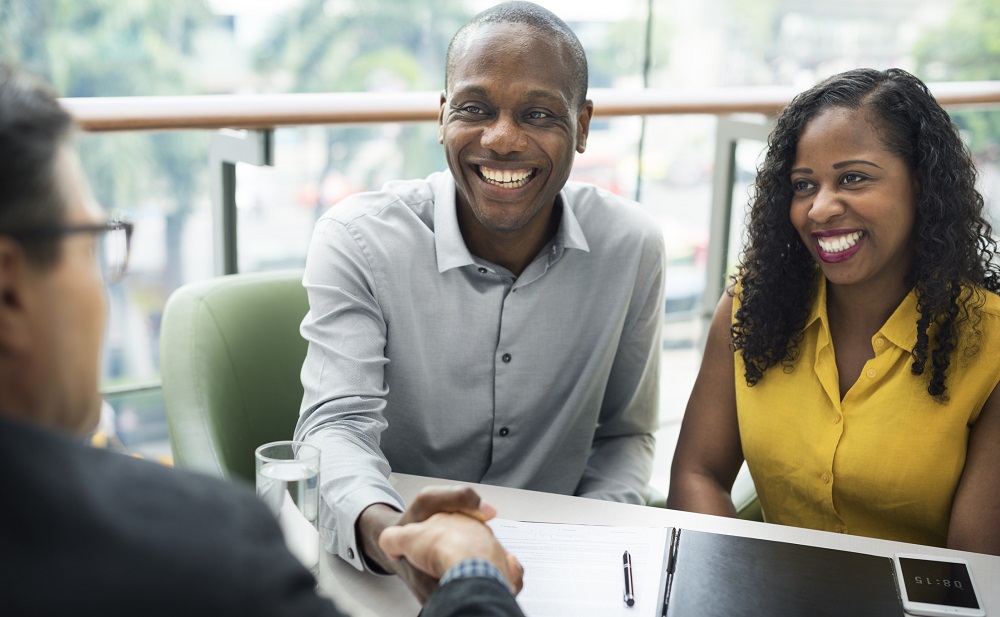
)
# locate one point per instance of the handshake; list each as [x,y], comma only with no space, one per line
[442,527]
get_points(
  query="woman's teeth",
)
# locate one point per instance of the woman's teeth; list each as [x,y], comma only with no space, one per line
[839,243]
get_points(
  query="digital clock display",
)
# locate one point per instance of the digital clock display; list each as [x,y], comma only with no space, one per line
[938,582]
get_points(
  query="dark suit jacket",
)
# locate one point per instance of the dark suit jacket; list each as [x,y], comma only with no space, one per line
[91,532]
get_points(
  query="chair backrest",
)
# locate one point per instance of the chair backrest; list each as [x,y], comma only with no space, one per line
[744,494]
[230,358]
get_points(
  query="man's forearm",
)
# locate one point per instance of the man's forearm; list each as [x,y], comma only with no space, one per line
[619,469]
[373,520]
[481,597]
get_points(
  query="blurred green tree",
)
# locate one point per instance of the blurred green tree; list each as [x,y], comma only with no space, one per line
[120,48]
[967,48]
[358,46]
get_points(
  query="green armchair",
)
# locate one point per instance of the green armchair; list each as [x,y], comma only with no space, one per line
[230,357]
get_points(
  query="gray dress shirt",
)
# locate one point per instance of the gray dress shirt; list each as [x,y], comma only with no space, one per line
[426,359]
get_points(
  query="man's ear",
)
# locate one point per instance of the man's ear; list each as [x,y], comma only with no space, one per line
[444,99]
[15,333]
[583,118]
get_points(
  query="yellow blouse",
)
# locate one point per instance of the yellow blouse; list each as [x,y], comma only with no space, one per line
[883,462]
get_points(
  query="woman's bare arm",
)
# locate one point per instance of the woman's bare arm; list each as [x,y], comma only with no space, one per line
[975,513]
[709,453]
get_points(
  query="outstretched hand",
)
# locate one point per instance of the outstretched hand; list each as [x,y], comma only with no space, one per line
[430,501]
[435,545]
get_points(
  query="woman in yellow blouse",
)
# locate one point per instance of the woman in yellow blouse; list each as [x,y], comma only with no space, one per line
[854,362]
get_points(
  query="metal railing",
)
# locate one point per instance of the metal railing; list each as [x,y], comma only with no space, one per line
[153,113]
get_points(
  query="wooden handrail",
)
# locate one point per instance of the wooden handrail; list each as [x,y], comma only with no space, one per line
[151,113]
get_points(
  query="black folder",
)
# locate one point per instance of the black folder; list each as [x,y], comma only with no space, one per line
[714,575]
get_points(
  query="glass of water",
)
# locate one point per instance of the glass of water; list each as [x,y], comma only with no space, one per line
[288,482]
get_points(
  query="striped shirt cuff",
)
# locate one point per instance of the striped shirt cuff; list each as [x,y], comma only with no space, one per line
[472,568]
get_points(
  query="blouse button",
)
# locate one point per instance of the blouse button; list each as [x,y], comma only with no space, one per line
[504,431]
[825,478]
[871,373]
[879,342]
[505,357]
[836,420]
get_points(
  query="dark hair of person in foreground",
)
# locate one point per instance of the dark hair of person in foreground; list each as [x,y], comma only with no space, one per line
[954,247]
[32,129]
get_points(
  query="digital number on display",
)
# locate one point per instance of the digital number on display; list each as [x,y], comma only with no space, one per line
[938,582]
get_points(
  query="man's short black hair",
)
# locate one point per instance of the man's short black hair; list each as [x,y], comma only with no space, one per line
[529,14]
[33,127]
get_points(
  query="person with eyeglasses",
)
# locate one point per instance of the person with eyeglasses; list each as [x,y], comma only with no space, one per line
[85,531]
[113,242]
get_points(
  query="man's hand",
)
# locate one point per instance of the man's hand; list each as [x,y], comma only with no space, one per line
[431,500]
[444,540]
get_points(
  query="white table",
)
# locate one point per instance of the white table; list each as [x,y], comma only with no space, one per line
[366,594]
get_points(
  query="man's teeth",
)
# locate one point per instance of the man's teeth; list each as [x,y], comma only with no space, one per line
[505,177]
[839,243]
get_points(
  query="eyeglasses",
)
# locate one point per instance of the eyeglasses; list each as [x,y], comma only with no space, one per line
[114,242]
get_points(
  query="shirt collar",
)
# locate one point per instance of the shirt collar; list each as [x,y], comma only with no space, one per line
[570,235]
[818,311]
[450,245]
[448,241]
[900,328]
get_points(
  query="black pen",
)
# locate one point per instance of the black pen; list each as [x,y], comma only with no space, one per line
[629,589]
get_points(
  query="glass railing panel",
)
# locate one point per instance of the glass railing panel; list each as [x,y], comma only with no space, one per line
[159,181]
[314,168]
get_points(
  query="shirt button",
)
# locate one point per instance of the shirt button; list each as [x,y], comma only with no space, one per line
[482,270]
[879,342]
[825,478]
[871,373]
[504,431]
[506,357]
[836,420]
[350,553]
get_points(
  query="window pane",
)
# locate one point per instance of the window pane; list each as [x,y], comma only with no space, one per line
[159,181]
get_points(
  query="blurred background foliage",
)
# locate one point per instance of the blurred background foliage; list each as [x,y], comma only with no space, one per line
[120,48]
[967,48]
[150,47]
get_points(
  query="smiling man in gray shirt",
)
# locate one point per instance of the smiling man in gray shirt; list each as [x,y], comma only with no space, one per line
[492,323]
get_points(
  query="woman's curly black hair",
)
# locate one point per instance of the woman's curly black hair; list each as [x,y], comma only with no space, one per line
[953,243]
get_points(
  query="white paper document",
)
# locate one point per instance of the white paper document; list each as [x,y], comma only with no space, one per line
[577,569]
